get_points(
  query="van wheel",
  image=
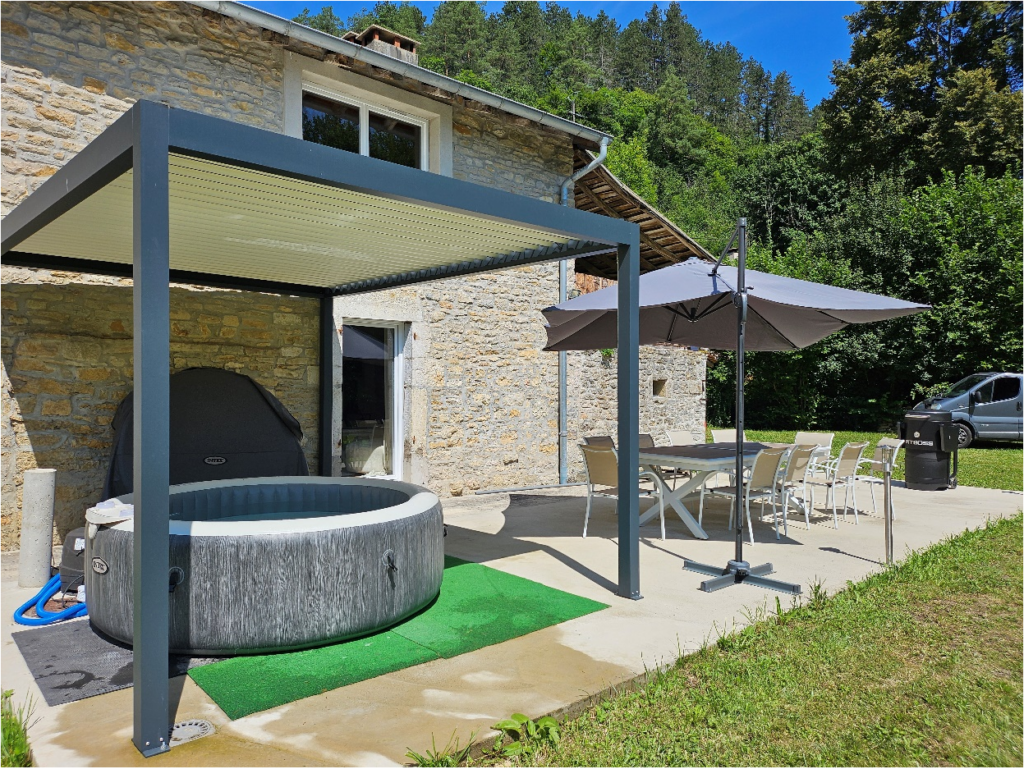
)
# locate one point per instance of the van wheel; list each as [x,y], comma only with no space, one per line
[964,435]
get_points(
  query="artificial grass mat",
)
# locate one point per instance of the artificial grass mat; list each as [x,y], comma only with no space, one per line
[478,606]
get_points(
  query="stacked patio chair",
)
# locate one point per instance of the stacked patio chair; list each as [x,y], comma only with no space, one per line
[680,438]
[600,441]
[842,473]
[725,436]
[760,486]
[602,465]
[793,486]
[823,453]
[874,465]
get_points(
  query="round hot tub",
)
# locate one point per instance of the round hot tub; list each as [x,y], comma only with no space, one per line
[269,564]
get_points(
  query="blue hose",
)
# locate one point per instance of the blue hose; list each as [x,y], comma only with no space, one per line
[50,589]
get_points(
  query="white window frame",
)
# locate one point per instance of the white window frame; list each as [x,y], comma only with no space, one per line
[365,108]
[397,389]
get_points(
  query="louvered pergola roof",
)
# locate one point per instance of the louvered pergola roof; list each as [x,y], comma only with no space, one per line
[662,243]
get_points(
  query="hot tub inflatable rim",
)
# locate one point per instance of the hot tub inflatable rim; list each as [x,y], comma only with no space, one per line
[419,501]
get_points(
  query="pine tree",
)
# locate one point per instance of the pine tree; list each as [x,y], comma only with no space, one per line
[455,40]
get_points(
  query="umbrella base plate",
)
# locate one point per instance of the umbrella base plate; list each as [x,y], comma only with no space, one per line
[736,572]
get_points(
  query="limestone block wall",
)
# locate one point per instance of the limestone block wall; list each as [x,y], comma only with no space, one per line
[672,396]
[66,354]
[70,69]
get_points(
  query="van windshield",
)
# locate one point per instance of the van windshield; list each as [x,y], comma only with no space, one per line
[966,384]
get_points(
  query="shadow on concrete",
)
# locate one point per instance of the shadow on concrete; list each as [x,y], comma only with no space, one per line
[837,551]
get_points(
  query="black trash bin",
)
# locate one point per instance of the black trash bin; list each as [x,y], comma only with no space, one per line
[930,441]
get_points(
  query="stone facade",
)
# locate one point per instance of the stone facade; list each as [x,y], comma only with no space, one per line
[479,395]
[67,363]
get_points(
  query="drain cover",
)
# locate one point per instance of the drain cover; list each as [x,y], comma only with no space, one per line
[186,731]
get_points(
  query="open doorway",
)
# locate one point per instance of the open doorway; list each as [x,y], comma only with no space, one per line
[370,402]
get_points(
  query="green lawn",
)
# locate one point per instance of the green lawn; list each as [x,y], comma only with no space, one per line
[989,465]
[919,664]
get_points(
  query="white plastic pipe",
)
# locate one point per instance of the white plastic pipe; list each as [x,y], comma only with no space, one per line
[36,528]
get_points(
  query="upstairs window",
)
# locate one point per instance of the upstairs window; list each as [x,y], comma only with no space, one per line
[365,129]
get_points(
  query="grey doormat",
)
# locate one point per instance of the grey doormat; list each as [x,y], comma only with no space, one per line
[70,661]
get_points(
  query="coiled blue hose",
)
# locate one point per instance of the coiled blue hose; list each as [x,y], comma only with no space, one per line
[50,589]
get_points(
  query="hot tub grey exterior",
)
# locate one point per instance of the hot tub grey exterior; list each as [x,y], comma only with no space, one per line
[366,554]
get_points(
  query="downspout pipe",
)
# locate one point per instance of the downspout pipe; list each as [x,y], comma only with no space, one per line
[563,294]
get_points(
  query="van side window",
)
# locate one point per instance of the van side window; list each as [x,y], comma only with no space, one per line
[1006,388]
[984,393]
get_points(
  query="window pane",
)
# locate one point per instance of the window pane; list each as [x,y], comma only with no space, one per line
[1006,387]
[331,123]
[395,141]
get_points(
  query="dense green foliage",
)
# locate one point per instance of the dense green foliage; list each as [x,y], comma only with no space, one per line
[905,181]
[919,665]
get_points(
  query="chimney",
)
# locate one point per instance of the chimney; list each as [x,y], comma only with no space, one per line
[388,42]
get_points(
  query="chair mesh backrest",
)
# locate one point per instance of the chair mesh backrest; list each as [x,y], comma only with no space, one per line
[799,463]
[848,458]
[723,436]
[645,441]
[603,441]
[680,438]
[766,467]
[815,439]
[895,443]
[602,465]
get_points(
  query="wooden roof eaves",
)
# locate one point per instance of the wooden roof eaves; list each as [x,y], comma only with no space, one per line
[601,175]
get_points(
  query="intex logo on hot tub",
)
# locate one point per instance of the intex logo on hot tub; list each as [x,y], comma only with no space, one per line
[215,460]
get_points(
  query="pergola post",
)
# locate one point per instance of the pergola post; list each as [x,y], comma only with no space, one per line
[629,415]
[151,379]
[326,401]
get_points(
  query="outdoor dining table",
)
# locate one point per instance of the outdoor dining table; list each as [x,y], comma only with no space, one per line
[702,460]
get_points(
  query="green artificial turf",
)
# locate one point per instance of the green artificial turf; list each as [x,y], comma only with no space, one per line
[478,606]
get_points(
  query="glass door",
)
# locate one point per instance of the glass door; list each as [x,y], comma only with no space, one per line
[368,400]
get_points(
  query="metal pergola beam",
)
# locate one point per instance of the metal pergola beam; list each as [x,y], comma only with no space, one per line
[143,139]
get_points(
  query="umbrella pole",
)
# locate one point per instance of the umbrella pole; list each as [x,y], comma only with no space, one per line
[738,570]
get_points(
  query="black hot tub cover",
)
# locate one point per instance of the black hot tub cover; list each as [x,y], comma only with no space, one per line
[223,425]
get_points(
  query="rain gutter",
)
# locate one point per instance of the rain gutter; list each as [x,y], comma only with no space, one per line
[563,294]
[331,43]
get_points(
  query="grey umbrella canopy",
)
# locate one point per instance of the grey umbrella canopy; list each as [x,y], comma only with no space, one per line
[686,304]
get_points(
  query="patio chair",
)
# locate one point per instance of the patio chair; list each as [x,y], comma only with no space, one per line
[794,479]
[680,438]
[726,436]
[760,486]
[874,465]
[601,441]
[842,473]
[602,465]
[823,442]
[646,441]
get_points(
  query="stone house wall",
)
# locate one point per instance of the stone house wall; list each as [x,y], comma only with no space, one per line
[480,396]
[67,363]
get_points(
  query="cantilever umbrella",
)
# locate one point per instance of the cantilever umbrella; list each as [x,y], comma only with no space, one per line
[690,304]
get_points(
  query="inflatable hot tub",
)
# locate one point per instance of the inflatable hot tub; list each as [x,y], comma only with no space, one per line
[270,564]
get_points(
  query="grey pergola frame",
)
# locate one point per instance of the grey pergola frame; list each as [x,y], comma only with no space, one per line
[143,139]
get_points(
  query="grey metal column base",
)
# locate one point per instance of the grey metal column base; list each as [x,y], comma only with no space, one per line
[736,572]
[634,596]
[163,747]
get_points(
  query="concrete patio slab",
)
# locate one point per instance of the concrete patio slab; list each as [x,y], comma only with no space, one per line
[535,535]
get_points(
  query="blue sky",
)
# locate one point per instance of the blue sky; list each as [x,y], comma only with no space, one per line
[802,37]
